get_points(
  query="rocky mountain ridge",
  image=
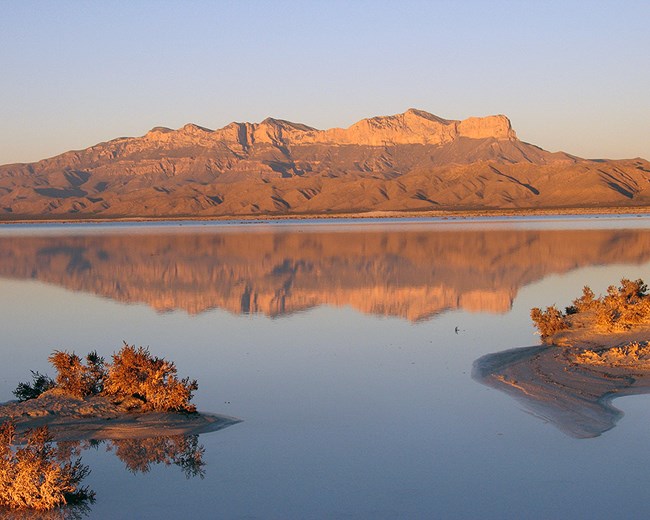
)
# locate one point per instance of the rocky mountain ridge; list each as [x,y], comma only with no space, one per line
[413,161]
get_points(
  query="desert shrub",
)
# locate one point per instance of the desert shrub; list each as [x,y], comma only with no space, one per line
[586,302]
[75,377]
[40,383]
[629,354]
[571,309]
[95,372]
[31,476]
[135,373]
[624,306]
[620,309]
[548,322]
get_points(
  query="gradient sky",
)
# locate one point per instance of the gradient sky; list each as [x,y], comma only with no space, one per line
[571,75]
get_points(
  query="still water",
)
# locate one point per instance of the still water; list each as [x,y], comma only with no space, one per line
[347,351]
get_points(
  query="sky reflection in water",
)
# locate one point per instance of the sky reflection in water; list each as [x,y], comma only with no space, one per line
[338,349]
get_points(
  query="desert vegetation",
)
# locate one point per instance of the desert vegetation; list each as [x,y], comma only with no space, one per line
[549,321]
[136,374]
[635,353]
[33,477]
[135,379]
[77,378]
[40,383]
[619,310]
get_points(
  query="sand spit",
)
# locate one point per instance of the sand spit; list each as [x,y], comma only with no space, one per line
[72,419]
[571,381]
[546,380]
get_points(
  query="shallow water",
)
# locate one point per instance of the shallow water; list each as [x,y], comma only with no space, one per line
[347,351]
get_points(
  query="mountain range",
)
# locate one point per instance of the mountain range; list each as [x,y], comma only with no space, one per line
[413,161]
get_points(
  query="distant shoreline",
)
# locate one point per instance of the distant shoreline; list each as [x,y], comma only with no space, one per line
[441,214]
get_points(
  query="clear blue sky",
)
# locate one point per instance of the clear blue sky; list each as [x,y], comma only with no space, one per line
[571,75]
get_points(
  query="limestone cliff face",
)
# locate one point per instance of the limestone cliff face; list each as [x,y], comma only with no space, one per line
[411,127]
[411,274]
[413,161]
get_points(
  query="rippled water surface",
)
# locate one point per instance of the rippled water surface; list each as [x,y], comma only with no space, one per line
[347,351]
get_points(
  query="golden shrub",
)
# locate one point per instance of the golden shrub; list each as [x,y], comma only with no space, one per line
[135,373]
[134,376]
[548,322]
[620,309]
[75,377]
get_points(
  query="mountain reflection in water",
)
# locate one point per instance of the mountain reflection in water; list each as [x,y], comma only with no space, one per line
[573,397]
[413,273]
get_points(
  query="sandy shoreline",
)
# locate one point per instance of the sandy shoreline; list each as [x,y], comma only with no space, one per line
[95,418]
[557,383]
[441,214]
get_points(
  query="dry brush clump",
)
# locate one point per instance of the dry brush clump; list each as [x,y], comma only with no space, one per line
[620,309]
[624,307]
[630,354]
[32,477]
[39,477]
[135,378]
[75,377]
[40,383]
[135,373]
[548,322]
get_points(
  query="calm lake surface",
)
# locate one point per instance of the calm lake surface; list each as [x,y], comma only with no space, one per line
[347,351]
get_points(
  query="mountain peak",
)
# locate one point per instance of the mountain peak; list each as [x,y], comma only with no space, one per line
[409,161]
[160,130]
[425,115]
[498,127]
[415,127]
[191,128]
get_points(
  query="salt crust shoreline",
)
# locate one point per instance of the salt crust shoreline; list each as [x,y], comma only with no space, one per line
[442,214]
[96,418]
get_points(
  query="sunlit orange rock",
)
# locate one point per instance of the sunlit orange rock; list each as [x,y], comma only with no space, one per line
[414,161]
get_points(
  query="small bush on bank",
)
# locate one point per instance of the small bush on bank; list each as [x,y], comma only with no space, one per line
[75,377]
[624,306]
[135,375]
[620,309]
[548,322]
[31,476]
[587,301]
[630,354]
[40,383]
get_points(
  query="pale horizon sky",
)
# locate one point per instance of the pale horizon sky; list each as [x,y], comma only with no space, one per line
[571,76]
